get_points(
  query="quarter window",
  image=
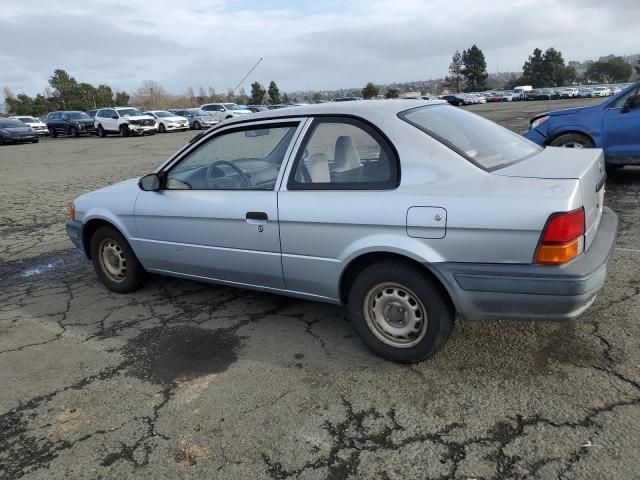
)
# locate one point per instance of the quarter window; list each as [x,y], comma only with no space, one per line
[246,159]
[344,154]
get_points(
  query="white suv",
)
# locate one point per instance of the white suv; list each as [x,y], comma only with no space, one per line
[124,121]
[222,111]
[40,127]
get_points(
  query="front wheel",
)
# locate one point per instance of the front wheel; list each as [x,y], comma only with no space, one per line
[114,261]
[73,132]
[400,312]
[162,128]
[53,133]
[124,131]
[572,140]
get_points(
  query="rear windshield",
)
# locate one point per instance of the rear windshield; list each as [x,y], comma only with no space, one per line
[481,141]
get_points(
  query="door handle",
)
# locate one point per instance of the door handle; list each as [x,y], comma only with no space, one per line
[257,217]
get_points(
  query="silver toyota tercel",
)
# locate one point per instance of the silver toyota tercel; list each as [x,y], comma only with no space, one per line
[407,211]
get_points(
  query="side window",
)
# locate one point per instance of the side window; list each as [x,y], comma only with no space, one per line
[57,115]
[620,102]
[343,154]
[246,159]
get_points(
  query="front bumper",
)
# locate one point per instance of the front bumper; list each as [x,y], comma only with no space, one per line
[531,292]
[21,138]
[142,129]
[535,136]
[74,231]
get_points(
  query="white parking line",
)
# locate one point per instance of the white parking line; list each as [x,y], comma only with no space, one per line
[634,250]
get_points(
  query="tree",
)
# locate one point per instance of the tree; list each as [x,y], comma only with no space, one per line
[122,99]
[637,67]
[370,91]
[474,69]
[547,69]
[65,87]
[392,93]
[613,70]
[455,71]
[151,95]
[257,93]
[274,93]
[554,69]
[285,99]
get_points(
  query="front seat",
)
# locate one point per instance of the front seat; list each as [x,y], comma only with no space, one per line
[345,156]
[318,168]
[346,161]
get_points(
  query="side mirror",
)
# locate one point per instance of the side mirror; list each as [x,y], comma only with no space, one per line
[150,183]
[632,102]
[115,116]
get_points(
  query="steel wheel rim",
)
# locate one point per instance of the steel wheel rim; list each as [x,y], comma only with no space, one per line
[573,145]
[113,260]
[395,315]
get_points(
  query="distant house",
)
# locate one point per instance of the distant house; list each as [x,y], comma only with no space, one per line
[410,94]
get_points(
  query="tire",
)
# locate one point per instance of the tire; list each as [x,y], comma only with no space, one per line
[572,140]
[35,141]
[197,126]
[73,131]
[101,132]
[114,262]
[162,129]
[124,132]
[53,133]
[414,296]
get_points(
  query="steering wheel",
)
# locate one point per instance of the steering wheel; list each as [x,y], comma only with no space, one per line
[241,174]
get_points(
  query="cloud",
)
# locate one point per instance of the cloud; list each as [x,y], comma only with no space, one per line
[305,44]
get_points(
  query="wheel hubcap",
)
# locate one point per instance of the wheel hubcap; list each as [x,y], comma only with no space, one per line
[573,145]
[395,315]
[113,260]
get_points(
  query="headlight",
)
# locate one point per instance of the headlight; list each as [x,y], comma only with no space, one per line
[538,121]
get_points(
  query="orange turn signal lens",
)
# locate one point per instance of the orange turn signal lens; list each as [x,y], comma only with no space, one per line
[72,212]
[554,254]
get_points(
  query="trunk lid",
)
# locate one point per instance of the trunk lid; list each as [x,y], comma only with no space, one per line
[584,164]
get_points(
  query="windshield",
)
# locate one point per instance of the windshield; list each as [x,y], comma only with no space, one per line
[27,119]
[199,113]
[78,116]
[164,114]
[10,123]
[481,141]
[132,112]
[237,107]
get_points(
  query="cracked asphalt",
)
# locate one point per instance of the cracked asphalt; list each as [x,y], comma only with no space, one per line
[188,380]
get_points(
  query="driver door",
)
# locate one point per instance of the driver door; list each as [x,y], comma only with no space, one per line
[622,129]
[216,216]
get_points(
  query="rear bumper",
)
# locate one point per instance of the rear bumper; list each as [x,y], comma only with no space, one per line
[74,231]
[532,292]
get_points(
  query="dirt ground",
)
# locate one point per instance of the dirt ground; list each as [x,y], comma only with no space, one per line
[188,380]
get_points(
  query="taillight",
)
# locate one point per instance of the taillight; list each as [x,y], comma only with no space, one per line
[72,212]
[562,238]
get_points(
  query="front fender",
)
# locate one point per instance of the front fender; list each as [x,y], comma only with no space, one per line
[573,128]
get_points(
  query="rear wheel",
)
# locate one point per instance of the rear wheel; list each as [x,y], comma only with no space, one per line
[572,140]
[114,261]
[400,312]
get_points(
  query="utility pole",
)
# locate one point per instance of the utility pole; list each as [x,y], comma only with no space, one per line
[245,77]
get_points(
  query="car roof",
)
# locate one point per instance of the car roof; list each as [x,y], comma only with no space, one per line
[358,108]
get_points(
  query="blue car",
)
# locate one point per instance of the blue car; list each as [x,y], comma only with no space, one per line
[613,125]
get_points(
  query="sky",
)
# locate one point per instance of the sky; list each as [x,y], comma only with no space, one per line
[316,45]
